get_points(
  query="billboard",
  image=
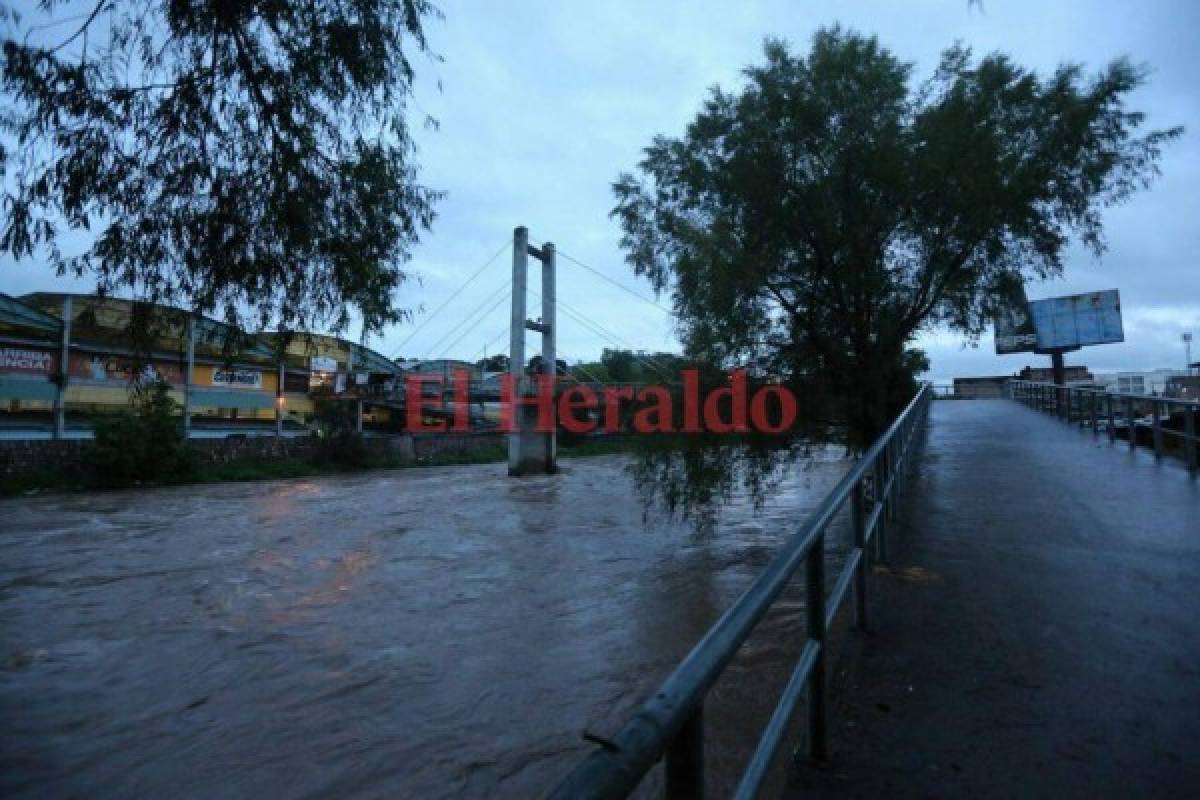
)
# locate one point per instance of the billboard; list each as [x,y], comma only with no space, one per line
[120,369]
[1015,332]
[1061,323]
[1078,320]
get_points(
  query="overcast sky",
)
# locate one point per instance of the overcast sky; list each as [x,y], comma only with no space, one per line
[541,105]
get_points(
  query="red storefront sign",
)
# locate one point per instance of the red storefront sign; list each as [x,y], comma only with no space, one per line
[27,360]
[118,369]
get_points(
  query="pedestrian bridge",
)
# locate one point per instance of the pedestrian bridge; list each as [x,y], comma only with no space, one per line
[1034,630]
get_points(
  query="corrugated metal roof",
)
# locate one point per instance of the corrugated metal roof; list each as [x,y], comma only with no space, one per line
[14,312]
[372,361]
[102,320]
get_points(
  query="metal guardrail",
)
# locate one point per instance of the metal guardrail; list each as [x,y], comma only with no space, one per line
[671,723]
[1090,407]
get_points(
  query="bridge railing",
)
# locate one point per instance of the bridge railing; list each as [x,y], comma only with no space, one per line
[671,723]
[1092,407]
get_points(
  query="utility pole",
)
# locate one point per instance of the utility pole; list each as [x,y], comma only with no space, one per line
[1187,347]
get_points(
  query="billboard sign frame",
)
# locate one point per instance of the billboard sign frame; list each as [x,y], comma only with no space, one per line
[1061,324]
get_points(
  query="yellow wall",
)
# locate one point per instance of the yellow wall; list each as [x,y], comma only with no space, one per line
[305,347]
[295,403]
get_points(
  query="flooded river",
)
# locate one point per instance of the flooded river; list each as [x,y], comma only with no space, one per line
[427,633]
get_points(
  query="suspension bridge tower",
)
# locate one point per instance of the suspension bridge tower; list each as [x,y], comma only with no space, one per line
[531,451]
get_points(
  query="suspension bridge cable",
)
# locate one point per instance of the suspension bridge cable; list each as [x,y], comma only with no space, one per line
[599,330]
[615,283]
[466,318]
[594,328]
[463,335]
[604,332]
[580,368]
[493,340]
[507,244]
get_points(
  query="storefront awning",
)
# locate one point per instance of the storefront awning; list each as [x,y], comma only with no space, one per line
[230,398]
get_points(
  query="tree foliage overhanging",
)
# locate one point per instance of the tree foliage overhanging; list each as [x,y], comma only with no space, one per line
[246,158]
[814,222]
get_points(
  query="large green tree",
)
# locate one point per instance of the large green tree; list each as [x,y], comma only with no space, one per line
[250,158]
[814,222]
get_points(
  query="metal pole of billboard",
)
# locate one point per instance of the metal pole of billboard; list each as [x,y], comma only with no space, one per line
[60,394]
[1060,379]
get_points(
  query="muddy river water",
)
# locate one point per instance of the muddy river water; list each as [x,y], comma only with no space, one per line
[441,632]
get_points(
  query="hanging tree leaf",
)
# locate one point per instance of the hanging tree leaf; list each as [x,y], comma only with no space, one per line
[251,159]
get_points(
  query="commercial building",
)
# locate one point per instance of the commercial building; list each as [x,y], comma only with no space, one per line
[1148,382]
[1075,375]
[981,387]
[66,358]
[320,366]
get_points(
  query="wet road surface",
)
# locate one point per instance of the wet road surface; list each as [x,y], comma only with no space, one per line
[427,633]
[1038,631]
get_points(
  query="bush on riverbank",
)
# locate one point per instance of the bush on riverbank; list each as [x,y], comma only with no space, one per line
[141,444]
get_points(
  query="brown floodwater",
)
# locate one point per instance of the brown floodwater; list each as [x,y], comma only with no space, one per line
[441,632]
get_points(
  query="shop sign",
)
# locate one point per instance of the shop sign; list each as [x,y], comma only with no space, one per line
[240,378]
[20,359]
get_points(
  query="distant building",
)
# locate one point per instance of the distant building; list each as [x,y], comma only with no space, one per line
[231,376]
[1184,387]
[1150,382]
[982,387]
[1046,375]
[446,367]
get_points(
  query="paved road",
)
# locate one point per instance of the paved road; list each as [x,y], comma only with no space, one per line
[1038,631]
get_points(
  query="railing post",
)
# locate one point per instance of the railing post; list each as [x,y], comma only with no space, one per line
[890,491]
[1112,418]
[1129,419]
[860,541]
[685,759]
[1189,431]
[1095,400]
[881,553]
[1156,429]
[818,749]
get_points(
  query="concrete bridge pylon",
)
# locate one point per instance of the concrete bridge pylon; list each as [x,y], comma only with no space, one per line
[531,451]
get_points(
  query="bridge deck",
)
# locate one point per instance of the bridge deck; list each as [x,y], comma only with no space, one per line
[1038,631]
